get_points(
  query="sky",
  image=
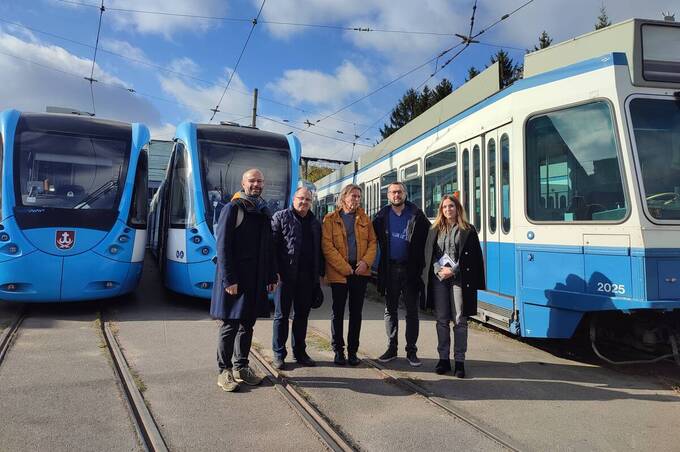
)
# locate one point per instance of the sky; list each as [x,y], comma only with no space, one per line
[161,62]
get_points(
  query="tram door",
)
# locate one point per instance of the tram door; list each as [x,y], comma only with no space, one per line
[472,183]
[493,197]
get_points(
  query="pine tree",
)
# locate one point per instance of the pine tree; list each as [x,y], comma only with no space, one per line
[543,41]
[413,104]
[472,73]
[602,20]
[510,72]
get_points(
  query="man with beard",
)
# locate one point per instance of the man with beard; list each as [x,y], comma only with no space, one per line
[246,271]
[401,229]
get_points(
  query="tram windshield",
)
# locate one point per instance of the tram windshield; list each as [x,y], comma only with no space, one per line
[656,126]
[66,171]
[223,165]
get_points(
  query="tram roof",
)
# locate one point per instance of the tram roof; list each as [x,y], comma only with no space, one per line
[78,125]
[242,136]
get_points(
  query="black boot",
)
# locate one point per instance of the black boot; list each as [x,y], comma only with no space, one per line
[340,358]
[443,366]
[353,359]
[459,369]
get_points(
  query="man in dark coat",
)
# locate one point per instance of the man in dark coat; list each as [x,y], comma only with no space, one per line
[401,229]
[246,270]
[297,244]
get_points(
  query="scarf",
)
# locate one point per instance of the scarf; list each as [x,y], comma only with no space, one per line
[249,203]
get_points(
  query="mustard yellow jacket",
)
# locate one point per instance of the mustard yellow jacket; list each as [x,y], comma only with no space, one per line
[334,245]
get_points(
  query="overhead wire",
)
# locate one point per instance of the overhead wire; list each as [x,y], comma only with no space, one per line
[91,79]
[362,29]
[238,61]
[310,131]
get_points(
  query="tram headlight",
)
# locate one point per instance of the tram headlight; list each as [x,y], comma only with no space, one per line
[108,284]
[113,249]
[4,236]
[197,239]
[13,249]
[123,239]
[205,251]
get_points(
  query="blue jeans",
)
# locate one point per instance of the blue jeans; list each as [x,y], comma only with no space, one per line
[298,296]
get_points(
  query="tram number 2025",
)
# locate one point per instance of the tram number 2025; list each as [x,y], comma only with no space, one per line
[611,288]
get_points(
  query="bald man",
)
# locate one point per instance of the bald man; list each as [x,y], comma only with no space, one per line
[246,271]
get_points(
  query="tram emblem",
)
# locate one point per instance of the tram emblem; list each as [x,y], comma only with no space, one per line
[64,240]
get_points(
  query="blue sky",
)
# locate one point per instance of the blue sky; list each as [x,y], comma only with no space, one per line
[302,73]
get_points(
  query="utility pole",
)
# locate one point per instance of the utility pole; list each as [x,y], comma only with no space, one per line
[254,121]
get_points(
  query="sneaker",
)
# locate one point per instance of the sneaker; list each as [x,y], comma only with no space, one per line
[303,359]
[340,358]
[247,376]
[388,356]
[278,363]
[443,366]
[226,381]
[413,359]
[353,359]
[459,369]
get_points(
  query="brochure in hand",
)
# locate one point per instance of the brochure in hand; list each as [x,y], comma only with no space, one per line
[447,261]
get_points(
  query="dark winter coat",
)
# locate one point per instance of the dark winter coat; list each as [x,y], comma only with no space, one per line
[417,229]
[287,233]
[244,257]
[471,264]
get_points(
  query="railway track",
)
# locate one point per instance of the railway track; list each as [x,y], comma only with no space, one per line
[10,333]
[428,396]
[144,422]
[332,437]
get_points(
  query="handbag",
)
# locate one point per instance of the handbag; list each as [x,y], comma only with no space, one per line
[317,297]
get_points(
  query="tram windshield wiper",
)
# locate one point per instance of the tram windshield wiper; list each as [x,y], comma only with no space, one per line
[98,193]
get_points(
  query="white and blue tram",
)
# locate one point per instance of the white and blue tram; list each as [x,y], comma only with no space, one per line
[74,207]
[204,172]
[571,176]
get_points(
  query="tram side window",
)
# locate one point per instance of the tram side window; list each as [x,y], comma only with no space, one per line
[441,178]
[181,211]
[466,181]
[385,180]
[572,166]
[491,149]
[505,183]
[139,209]
[410,176]
[477,181]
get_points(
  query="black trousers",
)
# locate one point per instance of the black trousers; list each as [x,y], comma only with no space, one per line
[298,296]
[234,338]
[356,289]
[398,285]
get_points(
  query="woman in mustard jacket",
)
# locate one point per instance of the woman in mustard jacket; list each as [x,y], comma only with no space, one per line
[349,246]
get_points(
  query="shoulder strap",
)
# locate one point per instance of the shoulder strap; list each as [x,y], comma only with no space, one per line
[239,216]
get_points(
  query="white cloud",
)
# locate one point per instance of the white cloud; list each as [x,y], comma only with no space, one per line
[123,48]
[315,87]
[163,24]
[165,131]
[185,65]
[199,100]
[27,83]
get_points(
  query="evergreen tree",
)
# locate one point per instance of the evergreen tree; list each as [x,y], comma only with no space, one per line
[413,104]
[510,72]
[602,20]
[543,41]
[472,73]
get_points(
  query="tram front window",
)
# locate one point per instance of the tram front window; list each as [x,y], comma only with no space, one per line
[656,126]
[69,171]
[223,165]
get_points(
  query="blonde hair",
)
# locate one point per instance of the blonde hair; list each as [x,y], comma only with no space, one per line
[347,189]
[461,218]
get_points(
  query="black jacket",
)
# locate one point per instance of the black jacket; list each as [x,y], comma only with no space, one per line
[287,232]
[417,229]
[244,257]
[471,264]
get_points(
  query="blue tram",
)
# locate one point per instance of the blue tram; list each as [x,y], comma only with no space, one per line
[74,207]
[204,172]
[571,177]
